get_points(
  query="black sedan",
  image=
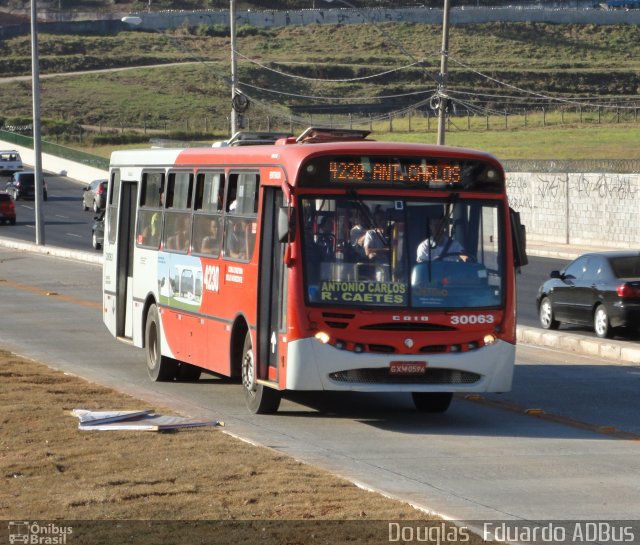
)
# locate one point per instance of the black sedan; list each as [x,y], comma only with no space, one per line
[597,289]
[22,185]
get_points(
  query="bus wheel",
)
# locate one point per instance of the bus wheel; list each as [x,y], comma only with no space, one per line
[260,399]
[160,368]
[432,402]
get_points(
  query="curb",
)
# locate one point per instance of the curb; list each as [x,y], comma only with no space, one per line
[54,251]
[620,351]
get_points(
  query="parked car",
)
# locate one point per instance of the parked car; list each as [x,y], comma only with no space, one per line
[95,195]
[97,231]
[10,162]
[598,289]
[7,209]
[22,185]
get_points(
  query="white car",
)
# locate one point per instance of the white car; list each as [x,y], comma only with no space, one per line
[10,162]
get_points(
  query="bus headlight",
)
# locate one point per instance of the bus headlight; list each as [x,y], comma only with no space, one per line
[489,339]
[322,337]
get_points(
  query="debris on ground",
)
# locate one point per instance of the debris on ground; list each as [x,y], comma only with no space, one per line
[145,420]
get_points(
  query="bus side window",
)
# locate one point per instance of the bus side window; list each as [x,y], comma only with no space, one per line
[207,206]
[209,192]
[149,226]
[177,231]
[207,235]
[242,210]
[177,221]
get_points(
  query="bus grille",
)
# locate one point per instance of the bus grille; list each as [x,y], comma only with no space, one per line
[382,376]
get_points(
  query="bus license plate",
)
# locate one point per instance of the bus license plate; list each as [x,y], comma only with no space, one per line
[407,368]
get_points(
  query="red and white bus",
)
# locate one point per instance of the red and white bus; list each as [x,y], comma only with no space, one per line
[313,264]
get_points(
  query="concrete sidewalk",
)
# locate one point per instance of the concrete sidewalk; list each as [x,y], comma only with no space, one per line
[610,350]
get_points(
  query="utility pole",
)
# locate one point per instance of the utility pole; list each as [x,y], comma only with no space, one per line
[442,87]
[37,166]
[234,64]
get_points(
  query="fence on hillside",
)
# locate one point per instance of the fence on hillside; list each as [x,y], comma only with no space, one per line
[518,165]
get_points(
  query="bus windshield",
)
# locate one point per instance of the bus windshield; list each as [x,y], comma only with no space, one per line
[406,252]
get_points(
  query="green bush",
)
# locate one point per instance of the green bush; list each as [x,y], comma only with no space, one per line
[118,138]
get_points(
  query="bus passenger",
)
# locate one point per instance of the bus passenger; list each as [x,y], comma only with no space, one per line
[237,242]
[326,239]
[211,240]
[357,235]
[150,235]
[180,240]
[376,246]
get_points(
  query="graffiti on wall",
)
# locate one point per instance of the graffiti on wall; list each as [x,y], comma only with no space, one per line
[606,186]
[577,207]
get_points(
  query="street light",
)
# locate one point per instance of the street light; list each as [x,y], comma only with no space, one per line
[443,99]
[442,87]
[234,65]
[37,151]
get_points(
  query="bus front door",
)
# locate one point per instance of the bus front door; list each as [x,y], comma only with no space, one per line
[272,288]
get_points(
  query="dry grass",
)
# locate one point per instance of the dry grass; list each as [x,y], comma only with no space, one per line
[191,474]
[53,471]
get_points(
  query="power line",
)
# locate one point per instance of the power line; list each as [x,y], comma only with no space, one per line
[345,80]
[332,98]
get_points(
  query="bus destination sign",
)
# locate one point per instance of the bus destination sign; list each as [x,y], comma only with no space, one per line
[353,171]
[402,172]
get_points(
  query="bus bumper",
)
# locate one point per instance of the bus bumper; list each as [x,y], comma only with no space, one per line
[312,365]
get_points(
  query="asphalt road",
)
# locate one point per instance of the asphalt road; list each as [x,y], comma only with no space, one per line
[66,224]
[485,459]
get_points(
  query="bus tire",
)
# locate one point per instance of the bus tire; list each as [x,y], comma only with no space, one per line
[160,368]
[260,399]
[432,402]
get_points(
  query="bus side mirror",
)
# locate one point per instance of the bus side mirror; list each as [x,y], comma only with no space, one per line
[519,234]
[286,224]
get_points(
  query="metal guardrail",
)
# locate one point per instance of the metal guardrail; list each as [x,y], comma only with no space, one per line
[59,151]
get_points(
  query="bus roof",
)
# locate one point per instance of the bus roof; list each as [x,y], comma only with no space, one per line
[285,152]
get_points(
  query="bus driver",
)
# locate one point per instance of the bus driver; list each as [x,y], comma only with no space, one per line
[439,245]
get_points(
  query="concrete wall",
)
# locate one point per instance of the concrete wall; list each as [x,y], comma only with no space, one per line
[578,208]
[458,16]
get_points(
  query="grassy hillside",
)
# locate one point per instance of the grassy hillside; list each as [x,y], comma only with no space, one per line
[589,67]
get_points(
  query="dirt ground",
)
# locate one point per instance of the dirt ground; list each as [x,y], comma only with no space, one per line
[53,471]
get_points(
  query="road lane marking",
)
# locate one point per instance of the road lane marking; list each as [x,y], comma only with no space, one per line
[73,235]
[48,293]
[610,431]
